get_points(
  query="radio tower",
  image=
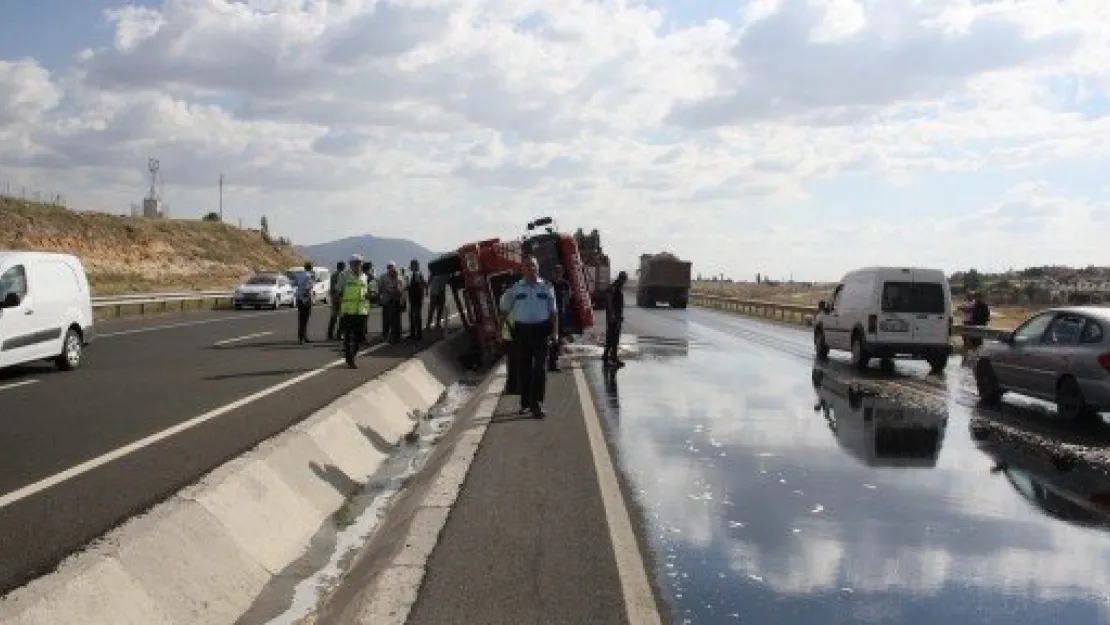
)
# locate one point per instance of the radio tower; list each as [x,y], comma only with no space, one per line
[152,204]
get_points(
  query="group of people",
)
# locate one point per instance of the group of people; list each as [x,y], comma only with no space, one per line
[351,296]
[537,315]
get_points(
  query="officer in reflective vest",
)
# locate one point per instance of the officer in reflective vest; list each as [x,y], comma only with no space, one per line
[353,287]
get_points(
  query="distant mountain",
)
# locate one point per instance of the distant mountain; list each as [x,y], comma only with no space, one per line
[378,250]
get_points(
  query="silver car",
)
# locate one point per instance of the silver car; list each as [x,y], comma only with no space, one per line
[1060,355]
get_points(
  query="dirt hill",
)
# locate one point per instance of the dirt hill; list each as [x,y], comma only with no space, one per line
[129,255]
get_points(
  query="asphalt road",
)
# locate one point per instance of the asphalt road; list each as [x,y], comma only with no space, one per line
[139,378]
[779,490]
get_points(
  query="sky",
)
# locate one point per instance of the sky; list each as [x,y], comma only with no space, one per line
[789,138]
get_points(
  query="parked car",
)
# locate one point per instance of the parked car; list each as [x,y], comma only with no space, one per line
[45,309]
[264,289]
[888,312]
[1060,355]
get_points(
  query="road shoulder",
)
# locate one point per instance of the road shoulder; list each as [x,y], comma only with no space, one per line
[528,540]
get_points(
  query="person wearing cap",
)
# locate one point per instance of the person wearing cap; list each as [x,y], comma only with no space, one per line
[392,294]
[535,323]
[352,285]
[415,289]
[614,318]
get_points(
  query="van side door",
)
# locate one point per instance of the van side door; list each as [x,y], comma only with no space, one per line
[836,335]
[21,337]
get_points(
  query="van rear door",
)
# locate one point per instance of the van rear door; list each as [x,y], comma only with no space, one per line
[913,310]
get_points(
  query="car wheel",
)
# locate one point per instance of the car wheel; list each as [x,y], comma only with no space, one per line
[820,345]
[73,349]
[860,357]
[986,382]
[1070,403]
[238,307]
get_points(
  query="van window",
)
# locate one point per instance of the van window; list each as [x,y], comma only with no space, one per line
[14,280]
[913,297]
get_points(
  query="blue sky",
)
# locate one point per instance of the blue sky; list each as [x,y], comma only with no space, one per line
[905,152]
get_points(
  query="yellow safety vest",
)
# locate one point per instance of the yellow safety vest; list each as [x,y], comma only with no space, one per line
[353,301]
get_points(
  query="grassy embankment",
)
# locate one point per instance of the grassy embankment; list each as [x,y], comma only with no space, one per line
[130,255]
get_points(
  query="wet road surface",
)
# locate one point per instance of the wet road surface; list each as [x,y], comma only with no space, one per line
[777,491]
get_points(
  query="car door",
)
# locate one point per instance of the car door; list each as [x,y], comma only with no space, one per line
[19,332]
[1048,359]
[931,311]
[1010,364]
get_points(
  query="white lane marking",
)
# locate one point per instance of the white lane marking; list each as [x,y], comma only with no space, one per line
[116,454]
[639,600]
[185,324]
[4,387]
[242,338]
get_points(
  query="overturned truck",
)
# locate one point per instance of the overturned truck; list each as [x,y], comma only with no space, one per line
[478,273]
[663,277]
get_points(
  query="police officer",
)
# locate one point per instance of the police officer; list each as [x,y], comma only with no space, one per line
[531,302]
[614,318]
[352,285]
[562,304]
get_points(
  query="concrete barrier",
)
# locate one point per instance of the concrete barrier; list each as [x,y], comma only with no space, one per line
[206,554]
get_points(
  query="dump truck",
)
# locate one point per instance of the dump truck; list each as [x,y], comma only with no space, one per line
[596,264]
[663,277]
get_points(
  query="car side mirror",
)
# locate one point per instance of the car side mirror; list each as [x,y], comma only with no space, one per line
[11,300]
[822,306]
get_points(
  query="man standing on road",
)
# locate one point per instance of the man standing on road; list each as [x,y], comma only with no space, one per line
[392,293]
[416,288]
[335,329]
[562,300]
[304,286]
[614,319]
[531,302]
[437,300]
[353,285]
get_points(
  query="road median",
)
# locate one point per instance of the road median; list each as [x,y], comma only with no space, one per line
[206,554]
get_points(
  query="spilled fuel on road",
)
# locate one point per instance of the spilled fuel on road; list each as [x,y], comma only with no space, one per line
[779,490]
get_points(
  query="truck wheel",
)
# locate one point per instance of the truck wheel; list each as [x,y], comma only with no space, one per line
[860,357]
[678,304]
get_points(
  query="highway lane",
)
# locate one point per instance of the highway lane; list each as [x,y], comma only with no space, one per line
[772,499]
[140,378]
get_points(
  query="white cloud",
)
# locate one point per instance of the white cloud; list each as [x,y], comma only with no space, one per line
[449,120]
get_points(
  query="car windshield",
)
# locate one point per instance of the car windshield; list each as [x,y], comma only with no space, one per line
[269,280]
[913,297]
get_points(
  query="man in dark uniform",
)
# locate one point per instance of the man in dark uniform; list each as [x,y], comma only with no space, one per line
[335,329]
[416,288]
[614,318]
[562,301]
[531,301]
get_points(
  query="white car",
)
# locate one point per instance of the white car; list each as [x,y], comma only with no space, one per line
[264,290]
[888,312]
[45,309]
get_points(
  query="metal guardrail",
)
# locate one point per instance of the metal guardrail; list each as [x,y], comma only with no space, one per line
[161,301]
[803,314]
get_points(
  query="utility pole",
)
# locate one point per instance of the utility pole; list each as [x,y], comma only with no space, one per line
[221,198]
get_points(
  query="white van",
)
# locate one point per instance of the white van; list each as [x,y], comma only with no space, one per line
[321,290]
[45,309]
[888,312]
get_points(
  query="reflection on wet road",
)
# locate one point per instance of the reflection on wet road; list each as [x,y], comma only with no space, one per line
[775,491]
